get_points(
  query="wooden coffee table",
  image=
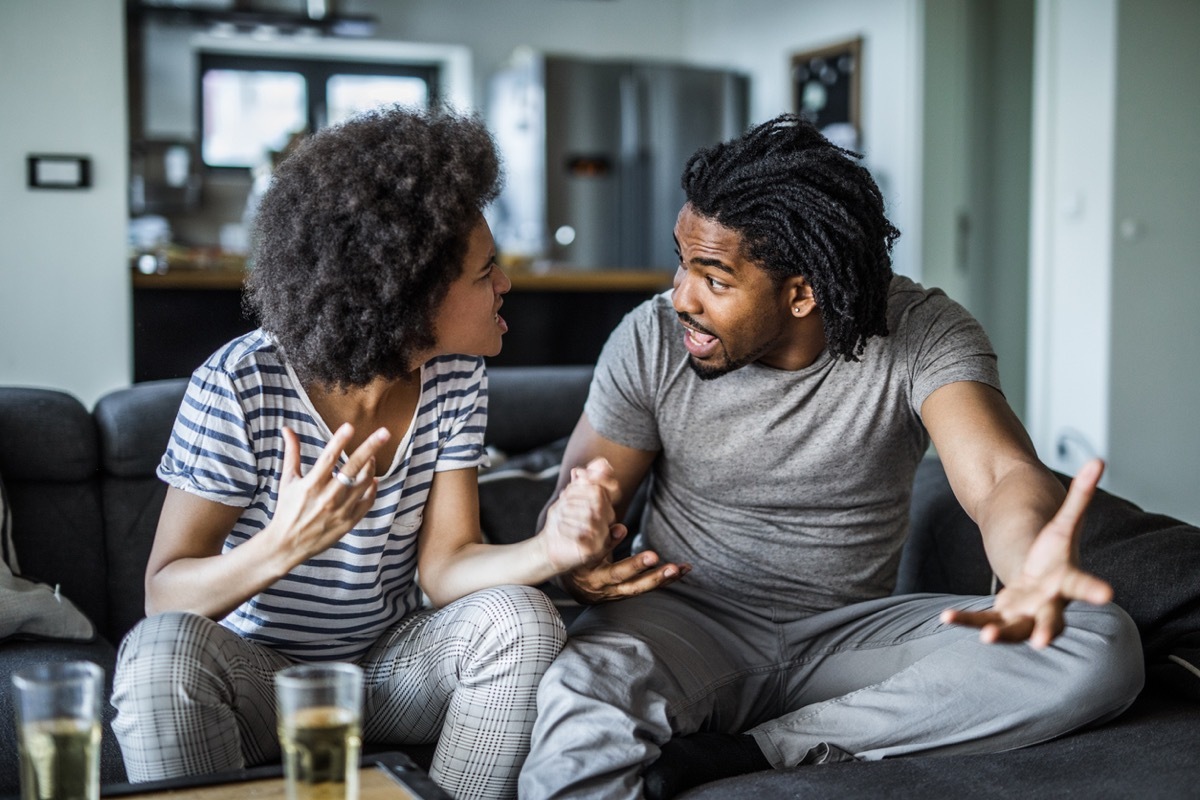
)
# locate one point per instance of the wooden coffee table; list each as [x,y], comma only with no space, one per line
[386,776]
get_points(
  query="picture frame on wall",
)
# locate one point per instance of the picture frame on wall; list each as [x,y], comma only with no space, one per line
[826,89]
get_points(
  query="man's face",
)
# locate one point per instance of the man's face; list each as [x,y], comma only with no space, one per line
[733,314]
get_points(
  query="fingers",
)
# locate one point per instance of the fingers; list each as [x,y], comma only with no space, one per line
[971,619]
[993,627]
[1080,585]
[586,506]
[1079,495]
[1039,627]
[324,465]
[600,472]
[364,503]
[364,454]
[291,455]
[1047,623]
[358,467]
[626,578]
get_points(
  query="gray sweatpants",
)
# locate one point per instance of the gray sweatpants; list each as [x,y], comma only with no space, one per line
[193,697]
[876,679]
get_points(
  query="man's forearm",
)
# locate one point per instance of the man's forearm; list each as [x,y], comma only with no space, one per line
[1012,515]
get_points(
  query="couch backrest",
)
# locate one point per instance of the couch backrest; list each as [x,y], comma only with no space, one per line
[532,406]
[133,425]
[49,462]
[944,551]
[86,500]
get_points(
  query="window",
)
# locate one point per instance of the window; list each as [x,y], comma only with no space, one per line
[251,105]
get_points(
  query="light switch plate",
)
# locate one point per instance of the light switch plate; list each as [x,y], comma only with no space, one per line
[59,172]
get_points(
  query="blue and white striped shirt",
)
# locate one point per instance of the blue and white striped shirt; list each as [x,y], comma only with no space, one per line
[227,446]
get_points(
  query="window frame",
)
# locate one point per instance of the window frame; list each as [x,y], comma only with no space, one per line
[316,73]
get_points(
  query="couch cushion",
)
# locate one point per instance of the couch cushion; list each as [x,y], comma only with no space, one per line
[8,552]
[1179,669]
[530,406]
[1153,564]
[135,424]
[513,492]
[131,510]
[1151,561]
[944,552]
[48,456]
[27,608]
[45,435]
[1149,751]
[32,610]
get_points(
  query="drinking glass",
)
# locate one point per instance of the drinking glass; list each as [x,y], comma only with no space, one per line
[320,712]
[58,730]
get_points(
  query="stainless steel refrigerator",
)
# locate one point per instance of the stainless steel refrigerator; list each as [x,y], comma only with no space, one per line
[593,152]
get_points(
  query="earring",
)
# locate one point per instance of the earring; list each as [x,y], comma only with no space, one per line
[796,311]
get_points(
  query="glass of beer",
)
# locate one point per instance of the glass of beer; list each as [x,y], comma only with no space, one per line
[320,711]
[58,730]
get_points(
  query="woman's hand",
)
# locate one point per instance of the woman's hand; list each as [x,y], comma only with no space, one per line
[579,527]
[316,510]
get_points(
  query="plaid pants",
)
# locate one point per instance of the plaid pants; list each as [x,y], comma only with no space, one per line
[193,697]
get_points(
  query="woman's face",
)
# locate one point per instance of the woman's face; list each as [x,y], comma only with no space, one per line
[468,321]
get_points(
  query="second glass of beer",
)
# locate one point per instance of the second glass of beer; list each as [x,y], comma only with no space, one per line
[320,712]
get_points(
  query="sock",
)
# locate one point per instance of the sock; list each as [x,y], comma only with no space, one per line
[688,761]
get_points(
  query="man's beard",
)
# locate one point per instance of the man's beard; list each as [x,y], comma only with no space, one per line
[708,372]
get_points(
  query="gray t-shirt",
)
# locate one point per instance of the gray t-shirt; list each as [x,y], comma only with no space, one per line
[787,489]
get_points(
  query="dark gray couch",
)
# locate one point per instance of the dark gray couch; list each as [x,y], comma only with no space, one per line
[85,503]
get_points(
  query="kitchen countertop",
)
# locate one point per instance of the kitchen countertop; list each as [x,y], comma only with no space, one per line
[229,273]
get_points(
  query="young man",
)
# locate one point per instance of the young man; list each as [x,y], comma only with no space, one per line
[782,395]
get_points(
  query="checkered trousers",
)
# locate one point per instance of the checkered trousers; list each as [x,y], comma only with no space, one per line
[193,697]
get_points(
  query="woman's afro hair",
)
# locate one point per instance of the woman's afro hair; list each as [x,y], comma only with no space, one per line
[360,234]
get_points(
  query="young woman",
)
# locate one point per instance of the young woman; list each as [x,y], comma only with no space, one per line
[322,480]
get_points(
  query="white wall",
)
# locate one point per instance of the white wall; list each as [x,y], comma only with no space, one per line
[1070,238]
[1154,406]
[947,147]
[760,36]
[1113,364]
[976,168]
[64,278]
[492,28]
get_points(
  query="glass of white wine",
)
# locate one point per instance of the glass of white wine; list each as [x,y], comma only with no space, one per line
[320,713]
[58,730]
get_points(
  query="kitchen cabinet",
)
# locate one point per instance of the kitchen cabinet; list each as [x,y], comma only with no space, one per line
[560,316]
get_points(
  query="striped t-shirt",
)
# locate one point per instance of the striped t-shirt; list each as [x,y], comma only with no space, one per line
[227,446]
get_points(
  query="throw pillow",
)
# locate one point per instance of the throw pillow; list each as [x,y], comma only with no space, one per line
[1152,562]
[8,552]
[1180,670]
[513,492]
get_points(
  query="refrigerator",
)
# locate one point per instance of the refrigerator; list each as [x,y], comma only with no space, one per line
[593,151]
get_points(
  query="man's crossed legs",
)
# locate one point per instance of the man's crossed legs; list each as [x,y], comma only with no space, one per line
[876,679]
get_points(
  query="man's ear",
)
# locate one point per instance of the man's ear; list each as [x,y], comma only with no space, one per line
[800,299]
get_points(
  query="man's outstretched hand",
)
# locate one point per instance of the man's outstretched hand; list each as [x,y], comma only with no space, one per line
[614,580]
[1030,608]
